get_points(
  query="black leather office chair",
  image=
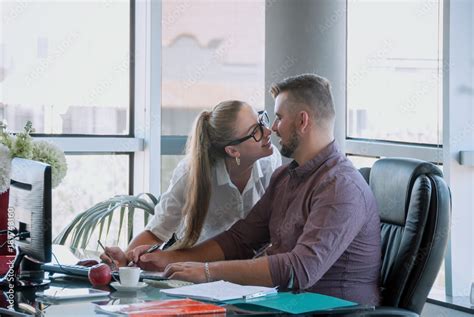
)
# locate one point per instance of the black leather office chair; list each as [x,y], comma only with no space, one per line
[414,205]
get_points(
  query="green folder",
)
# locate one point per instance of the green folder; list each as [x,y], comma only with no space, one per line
[296,303]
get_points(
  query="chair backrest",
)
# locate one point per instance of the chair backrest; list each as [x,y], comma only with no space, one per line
[414,205]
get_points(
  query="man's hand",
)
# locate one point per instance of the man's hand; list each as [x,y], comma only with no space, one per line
[186,271]
[117,257]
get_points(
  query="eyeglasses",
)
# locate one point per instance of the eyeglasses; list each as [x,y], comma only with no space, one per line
[257,132]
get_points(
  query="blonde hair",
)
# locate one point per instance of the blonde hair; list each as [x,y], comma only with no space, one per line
[212,131]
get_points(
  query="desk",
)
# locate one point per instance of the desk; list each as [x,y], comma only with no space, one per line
[87,307]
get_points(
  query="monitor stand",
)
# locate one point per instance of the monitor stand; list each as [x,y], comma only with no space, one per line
[13,280]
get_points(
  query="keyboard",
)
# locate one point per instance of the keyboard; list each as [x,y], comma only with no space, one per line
[68,269]
[79,270]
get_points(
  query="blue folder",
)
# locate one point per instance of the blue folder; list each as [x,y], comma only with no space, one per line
[297,303]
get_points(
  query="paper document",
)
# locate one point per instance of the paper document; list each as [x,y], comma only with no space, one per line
[220,291]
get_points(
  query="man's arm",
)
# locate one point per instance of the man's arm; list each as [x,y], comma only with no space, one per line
[245,272]
[208,251]
[236,243]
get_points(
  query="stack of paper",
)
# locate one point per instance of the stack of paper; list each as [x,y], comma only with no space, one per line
[220,291]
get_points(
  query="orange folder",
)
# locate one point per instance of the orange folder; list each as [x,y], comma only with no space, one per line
[173,307]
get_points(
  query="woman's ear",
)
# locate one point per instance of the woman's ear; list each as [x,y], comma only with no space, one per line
[232,151]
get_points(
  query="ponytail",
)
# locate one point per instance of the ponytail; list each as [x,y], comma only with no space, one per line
[199,181]
[211,132]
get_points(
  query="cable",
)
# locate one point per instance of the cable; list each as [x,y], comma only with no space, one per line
[19,235]
[14,231]
[61,266]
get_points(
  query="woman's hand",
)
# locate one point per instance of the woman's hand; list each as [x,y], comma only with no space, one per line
[155,261]
[186,271]
[134,254]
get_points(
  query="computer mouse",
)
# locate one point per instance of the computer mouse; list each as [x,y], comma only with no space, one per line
[87,262]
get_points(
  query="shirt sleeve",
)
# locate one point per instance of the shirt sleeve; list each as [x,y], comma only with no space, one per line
[168,213]
[250,233]
[336,217]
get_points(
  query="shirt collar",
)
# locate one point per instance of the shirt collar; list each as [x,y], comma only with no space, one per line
[223,177]
[300,171]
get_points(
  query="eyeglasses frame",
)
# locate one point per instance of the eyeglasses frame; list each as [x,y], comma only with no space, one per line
[263,122]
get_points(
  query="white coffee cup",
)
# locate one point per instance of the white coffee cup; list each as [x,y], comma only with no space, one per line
[129,276]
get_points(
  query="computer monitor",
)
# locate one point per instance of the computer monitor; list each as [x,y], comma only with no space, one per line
[30,203]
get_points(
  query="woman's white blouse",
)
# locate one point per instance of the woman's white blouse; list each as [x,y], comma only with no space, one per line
[227,205]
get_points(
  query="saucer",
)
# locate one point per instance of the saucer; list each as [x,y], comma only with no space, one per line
[119,287]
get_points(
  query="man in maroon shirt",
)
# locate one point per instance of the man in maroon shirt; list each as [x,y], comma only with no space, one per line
[318,216]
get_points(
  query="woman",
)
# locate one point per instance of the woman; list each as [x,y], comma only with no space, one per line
[228,166]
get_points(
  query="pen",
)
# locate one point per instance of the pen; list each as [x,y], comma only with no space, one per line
[162,246]
[159,246]
[105,252]
[260,294]
[262,251]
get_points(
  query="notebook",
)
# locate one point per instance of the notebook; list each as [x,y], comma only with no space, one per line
[220,291]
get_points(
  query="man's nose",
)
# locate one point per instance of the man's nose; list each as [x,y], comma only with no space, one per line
[273,127]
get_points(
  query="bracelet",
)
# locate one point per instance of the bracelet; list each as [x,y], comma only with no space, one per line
[207,272]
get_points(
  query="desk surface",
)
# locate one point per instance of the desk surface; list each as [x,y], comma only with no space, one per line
[87,307]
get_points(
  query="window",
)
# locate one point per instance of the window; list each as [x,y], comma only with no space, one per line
[66,67]
[226,42]
[394,84]
[394,71]
[90,179]
[66,76]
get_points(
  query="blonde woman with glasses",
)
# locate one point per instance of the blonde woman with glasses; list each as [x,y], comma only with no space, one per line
[228,165]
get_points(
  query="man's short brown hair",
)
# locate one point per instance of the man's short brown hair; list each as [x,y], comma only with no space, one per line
[311,90]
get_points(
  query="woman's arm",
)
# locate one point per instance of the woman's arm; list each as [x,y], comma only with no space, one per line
[144,238]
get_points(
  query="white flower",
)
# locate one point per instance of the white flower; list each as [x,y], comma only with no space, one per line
[49,153]
[5,168]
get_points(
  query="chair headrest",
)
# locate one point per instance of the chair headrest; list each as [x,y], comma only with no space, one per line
[391,180]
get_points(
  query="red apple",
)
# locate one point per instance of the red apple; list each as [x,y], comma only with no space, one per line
[100,274]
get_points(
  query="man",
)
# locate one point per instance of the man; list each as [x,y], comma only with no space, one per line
[318,213]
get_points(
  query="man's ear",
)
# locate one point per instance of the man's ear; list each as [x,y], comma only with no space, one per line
[303,122]
[232,151]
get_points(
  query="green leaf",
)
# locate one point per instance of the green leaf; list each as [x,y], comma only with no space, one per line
[131,213]
[83,226]
[122,214]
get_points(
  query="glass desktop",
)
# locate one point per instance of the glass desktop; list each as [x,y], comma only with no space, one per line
[27,302]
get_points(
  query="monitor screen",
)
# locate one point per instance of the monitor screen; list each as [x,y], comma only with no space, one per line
[30,204]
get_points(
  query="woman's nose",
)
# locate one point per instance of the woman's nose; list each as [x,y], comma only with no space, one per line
[267,131]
